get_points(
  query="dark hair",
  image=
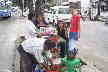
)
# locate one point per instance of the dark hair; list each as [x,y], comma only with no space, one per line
[52,35]
[30,15]
[39,35]
[49,44]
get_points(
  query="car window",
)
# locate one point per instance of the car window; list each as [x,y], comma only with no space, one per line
[63,11]
[53,11]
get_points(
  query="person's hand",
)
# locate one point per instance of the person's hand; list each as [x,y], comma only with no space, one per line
[78,35]
[41,65]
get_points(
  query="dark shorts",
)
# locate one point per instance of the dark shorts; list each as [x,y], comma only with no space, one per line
[26,60]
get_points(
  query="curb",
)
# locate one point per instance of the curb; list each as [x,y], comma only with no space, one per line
[17,62]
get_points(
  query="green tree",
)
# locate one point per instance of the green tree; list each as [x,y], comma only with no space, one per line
[39,5]
[27,3]
[50,1]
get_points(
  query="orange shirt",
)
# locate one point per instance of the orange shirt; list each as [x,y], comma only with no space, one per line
[74,23]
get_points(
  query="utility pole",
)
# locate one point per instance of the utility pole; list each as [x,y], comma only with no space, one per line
[94,9]
[99,6]
[22,7]
[60,2]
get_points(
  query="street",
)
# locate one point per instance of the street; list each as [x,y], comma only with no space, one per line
[94,44]
[9,30]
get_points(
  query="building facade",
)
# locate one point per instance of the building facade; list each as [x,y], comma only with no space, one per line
[59,2]
[56,2]
[104,5]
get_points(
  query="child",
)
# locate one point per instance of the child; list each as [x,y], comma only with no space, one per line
[74,30]
[61,44]
[71,62]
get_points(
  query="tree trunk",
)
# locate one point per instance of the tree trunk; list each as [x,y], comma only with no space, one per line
[99,6]
[38,7]
[19,3]
[30,6]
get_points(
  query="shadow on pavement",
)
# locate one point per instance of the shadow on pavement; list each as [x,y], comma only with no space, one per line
[4,18]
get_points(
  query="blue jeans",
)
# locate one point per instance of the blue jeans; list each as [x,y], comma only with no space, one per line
[72,40]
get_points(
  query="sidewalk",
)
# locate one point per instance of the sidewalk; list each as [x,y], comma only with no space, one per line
[93,44]
[88,59]
[89,67]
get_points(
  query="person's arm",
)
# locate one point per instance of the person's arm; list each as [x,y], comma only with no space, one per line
[68,28]
[79,27]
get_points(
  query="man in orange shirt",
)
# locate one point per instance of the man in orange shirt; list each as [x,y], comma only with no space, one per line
[74,30]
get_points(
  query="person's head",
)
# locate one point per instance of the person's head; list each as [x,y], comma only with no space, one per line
[61,25]
[39,35]
[39,18]
[73,11]
[48,45]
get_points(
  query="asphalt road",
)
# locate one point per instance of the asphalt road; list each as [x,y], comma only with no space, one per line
[9,30]
[94,43]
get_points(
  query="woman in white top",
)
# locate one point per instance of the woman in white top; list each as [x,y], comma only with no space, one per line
[34,47]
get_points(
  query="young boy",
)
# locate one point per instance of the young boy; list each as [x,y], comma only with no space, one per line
[74,29]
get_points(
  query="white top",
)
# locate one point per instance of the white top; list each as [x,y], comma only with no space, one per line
[29,29]
[34,46]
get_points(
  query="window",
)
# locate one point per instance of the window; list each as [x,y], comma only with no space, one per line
[63,11]
[104,6]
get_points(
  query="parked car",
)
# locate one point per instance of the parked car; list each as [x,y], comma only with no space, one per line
[62,12]
[5,12]
[59,12]
[5,8]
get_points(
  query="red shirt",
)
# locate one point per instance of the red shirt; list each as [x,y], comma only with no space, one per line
[74,23]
